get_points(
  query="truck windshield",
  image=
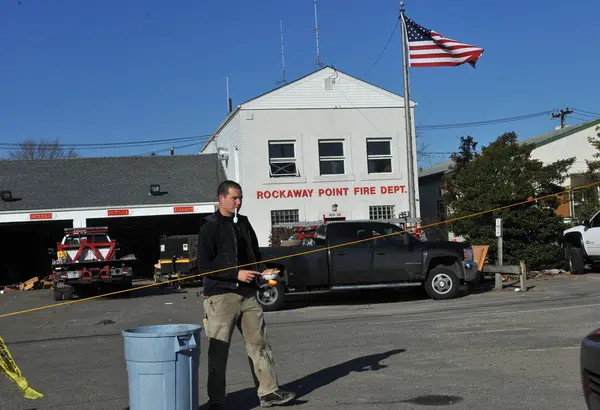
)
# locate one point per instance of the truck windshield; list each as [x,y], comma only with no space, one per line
[90,237]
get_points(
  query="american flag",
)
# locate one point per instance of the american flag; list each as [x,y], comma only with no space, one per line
[426,48]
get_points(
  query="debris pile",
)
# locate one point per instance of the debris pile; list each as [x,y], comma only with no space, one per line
[32,284]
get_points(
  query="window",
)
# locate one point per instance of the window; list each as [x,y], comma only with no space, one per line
[349,234]
[381,212]
[331,157]
[379,156]
[282,159]
[441,211]
[393,235]
[283,216]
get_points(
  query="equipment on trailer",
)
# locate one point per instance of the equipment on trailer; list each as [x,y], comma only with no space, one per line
[177,259]
[86,261]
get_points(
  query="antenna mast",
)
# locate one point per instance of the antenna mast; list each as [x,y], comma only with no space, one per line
[227,88]
[282,57]
[319,62]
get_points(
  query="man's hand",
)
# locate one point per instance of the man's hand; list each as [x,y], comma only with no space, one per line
[247,275]
[270,271]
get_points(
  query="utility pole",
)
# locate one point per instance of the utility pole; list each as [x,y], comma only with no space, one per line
[562,114]
[408,121]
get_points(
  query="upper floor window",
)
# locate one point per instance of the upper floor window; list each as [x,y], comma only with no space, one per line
[331,157]
[282,159]
[379,155]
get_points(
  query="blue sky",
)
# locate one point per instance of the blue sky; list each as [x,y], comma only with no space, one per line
[112,71]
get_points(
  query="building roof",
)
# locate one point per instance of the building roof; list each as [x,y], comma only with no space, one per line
[109,181]
[348,96]
[441,168]
[552,136]
[538,141]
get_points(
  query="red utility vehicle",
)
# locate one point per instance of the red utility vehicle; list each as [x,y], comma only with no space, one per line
[87,262]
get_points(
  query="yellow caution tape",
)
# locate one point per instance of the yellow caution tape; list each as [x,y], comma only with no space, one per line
[10,369]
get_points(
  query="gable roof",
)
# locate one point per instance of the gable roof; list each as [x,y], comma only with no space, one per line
[538,141]
[350,91]
[547,138]
[109,181]
[314,83]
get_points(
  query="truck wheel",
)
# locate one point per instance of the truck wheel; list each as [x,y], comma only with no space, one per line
[576,260]
[271,298]
[126,285]
[442,283]
[61,294]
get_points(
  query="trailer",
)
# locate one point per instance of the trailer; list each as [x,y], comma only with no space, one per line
[86,262]
[177,260]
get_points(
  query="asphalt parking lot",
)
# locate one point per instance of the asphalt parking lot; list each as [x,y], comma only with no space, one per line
[376,350]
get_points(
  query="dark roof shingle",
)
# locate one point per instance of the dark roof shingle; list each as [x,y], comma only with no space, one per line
[109,181]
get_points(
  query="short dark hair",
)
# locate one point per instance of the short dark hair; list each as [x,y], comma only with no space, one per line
[225,186]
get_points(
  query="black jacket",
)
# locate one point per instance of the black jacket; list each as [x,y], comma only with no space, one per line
[218,251]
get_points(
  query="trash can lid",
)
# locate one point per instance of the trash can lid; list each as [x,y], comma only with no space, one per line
[161,330]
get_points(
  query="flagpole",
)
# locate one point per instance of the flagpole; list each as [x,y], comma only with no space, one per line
[408,121]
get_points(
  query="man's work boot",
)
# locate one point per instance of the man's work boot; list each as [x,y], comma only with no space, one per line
[276,398]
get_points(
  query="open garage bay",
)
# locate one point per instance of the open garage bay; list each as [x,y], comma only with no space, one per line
[26,249]
[140,236]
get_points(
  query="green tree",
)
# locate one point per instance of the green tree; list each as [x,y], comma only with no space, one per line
[504,173]
[467,152]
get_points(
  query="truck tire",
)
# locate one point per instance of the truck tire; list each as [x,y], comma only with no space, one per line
[271,299]
[442,283]
[61,294]
[125,285]
[576,260]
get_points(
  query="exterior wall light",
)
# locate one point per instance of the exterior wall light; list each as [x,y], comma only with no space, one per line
[6,196]
[154,189]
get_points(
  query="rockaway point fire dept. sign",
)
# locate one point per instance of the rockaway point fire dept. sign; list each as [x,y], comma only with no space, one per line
[326,192]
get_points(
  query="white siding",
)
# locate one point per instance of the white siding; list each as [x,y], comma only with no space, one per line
[306,127]
[574,145]
[230,138]
[310,92]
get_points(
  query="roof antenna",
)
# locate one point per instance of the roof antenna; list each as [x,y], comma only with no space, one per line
[228,99]
[319,62]
[282,58]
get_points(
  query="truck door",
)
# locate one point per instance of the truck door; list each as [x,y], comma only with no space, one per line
[591,237]
[350,264]
[393,259]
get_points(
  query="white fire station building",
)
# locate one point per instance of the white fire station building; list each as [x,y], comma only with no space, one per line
[326,146]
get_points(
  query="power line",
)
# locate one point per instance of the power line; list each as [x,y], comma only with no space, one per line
[127,144]
[579,118]
[486,122]
[384,48]
[168,149]
[586,113]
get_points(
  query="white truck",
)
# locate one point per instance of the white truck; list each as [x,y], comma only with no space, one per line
[582,244]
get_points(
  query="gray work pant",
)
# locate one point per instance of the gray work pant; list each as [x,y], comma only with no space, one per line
[223,313]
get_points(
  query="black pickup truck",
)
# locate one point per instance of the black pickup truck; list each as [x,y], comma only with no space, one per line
[355,255]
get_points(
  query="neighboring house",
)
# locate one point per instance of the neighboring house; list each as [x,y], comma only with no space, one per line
[326,146]
[571,141]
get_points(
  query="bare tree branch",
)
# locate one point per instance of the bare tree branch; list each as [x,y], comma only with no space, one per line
[44,149]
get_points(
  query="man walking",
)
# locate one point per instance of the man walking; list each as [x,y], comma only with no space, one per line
[227,240]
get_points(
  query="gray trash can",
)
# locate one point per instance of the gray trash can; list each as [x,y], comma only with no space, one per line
[162,366]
